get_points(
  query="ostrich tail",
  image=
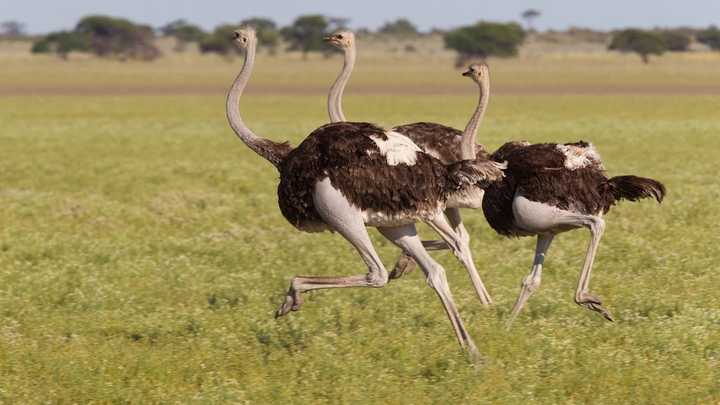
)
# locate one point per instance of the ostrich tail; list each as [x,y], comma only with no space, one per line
[634,188]
[475,172]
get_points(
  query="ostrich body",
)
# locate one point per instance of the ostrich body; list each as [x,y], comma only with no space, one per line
[547,189]
[440,141]
[553,188]
[346,176]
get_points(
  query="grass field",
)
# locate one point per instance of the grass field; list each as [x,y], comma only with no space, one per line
[142,253]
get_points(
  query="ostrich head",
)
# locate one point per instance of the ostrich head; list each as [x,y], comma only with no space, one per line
[244,37]
[341,39]
[478,72]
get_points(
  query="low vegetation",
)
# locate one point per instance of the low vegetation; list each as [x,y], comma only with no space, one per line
[710,37]
[485,39]
[643,43]
[120,38]
[103,36]
[142,253]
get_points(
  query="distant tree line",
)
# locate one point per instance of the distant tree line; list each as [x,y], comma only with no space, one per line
[103,36]
[120,38]
[646,43]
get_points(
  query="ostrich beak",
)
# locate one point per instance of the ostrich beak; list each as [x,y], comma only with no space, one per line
[467,73]
[327,38]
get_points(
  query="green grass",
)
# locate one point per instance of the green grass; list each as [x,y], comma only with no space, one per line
[142,255]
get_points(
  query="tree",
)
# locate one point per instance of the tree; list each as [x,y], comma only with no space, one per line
[104,36]
[675,41]
[267,32]
[484,39]
[306,34]
[220,41]
[529,16]
[61,43]
[12,29]
[710,37]
[183,32]
[401,27]
[119,37]
[641,42]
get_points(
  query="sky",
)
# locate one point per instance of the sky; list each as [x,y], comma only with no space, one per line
[40,16]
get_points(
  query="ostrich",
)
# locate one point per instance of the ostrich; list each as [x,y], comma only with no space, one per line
[439,141]
[346,176]
[547,189]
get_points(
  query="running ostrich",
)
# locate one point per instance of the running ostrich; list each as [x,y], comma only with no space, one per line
[547,189]
[439,141]
[346,176]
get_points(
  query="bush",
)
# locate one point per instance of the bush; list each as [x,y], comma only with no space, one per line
[103,36]
[220,41]
[110,36]
[401,27]
[641,42]
[306,34]
[485,39]
[710,37]
[61,43]
[183,32]
[675,41]
[267,32]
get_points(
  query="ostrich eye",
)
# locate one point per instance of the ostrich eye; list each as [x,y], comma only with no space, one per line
[340,37]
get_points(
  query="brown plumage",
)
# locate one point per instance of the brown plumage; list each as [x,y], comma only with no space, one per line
[438,140]
[345,153]
[539,172]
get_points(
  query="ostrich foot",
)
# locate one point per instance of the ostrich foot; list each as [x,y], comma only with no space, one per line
[404,265]
[593,303]
[293,301]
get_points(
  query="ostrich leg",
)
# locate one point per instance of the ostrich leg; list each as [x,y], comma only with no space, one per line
[531,283]
[542,218]
[582,295]
[347,220]
[405,264]
[406,238]
[461,248]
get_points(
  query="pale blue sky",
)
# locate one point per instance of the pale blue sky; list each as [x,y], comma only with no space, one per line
[47,15]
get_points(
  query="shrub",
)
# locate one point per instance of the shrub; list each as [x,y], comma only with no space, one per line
[641,42]
[267,32]
[485,39]
[103,36]
[61,43]
[710,37]
[220,41]
[401,27]
[306,34]
[675,41]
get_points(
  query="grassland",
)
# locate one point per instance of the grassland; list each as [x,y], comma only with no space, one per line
[142,253]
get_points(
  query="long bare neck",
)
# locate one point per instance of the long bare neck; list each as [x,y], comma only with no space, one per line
[336,91]
[470,133]
[267,149]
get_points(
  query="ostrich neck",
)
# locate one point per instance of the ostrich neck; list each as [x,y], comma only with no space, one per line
[259,145]
[336,91]
[470,133]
